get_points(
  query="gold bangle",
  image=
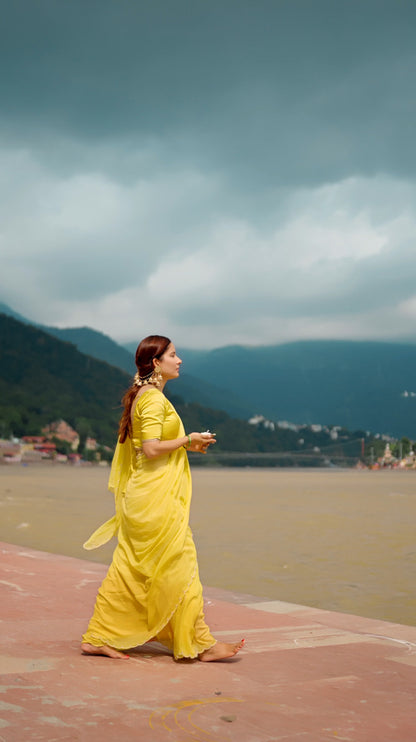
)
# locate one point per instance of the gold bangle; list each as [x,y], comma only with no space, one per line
[188,444]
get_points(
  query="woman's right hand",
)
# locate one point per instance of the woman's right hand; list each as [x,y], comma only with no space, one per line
[200,442]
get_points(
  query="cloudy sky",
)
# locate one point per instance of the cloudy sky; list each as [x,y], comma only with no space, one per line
[220,171]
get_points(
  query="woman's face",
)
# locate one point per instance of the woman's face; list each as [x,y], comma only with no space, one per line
[169,363]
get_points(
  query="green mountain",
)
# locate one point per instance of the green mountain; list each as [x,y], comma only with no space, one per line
[358,385]
[5,309]
[366,385]
[100,346]
[92,342]
[43,379]
[95,344]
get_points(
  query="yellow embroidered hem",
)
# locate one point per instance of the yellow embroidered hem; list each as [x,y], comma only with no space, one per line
[121,620]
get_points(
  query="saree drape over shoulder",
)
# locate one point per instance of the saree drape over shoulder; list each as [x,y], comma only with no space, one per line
[152,588]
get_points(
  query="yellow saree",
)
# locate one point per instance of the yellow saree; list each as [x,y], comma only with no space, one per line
[152,588]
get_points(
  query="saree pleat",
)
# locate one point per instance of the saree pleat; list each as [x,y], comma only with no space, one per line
[152,588]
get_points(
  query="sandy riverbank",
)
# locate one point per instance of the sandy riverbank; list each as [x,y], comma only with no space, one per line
[340,540]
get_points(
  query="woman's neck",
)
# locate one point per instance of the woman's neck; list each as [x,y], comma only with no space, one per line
[145,387]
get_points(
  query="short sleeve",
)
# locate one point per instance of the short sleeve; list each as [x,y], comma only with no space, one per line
[152,412]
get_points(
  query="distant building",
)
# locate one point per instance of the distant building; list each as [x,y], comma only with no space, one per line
[63,432]
[316,428]
[260,420]
[91,444]
[256,420]
[285,425]
[48,449]
[10,451]
[34,447]
[387,459]
[387,453]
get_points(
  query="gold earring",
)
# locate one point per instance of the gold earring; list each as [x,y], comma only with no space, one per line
[156,376]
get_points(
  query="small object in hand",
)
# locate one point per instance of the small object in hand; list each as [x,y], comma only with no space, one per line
[208,433]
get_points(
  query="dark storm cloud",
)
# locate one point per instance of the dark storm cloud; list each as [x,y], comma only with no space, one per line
[240,83]
[228,167]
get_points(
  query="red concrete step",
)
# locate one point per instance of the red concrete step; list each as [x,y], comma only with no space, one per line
[305,674]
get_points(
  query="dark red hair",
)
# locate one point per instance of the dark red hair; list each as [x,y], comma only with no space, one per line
[152,347]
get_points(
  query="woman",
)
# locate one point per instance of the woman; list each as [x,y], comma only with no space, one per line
[152,589]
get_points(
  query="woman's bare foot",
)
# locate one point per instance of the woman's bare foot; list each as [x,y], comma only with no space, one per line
[220,651]
[103,650]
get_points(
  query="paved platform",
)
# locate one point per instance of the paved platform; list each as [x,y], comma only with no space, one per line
[305,675]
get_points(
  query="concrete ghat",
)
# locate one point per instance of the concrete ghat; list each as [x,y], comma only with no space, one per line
[305,674]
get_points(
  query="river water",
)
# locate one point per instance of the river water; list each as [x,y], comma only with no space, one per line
[341,540]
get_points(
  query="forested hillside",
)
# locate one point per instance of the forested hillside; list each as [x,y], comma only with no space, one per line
[358,385]
[103,348]
[43,379]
